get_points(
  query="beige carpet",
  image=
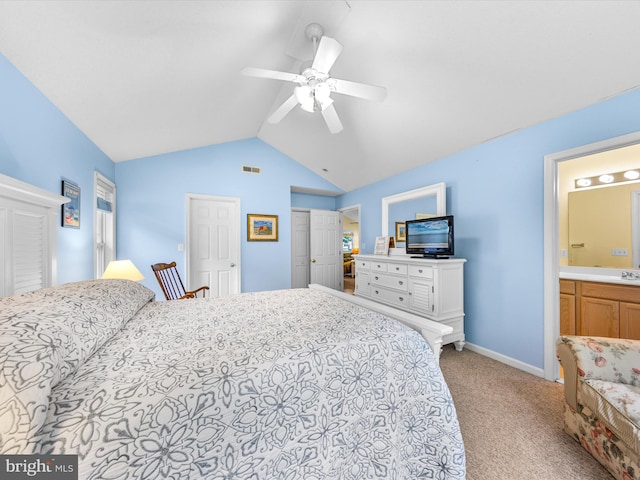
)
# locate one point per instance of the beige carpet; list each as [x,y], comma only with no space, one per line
[511,423]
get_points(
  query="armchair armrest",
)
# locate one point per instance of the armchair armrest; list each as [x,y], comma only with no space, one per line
[194,293]
[611,359]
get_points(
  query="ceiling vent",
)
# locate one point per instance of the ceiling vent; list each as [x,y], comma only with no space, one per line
[250,169]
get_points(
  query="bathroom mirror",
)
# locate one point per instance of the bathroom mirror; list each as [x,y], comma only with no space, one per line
[437,191]
[599,226]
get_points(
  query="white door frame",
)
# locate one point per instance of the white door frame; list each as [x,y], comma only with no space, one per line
[635,228]
[552,241]
[195,196]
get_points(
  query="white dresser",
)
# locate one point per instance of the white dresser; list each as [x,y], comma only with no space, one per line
[433,289]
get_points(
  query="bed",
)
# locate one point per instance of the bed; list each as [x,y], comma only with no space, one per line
[290,384]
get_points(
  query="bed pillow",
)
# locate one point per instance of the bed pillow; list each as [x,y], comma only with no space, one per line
[45,336]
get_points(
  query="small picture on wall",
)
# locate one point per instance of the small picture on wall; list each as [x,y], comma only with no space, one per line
[71,209]
[401,233]
[262,227]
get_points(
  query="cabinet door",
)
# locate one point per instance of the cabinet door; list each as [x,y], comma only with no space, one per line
[630,320]
[567,314]
[600,318]
[362,283]
[421,296]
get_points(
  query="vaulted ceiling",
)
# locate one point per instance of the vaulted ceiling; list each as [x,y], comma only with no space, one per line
[142,78]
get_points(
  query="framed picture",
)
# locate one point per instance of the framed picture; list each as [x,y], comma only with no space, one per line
[262,227]
[401,232]
[71,210]
[381,246]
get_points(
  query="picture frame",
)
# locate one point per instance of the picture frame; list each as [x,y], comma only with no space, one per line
[382,246]
[401,232]
[71,209]
[262,228]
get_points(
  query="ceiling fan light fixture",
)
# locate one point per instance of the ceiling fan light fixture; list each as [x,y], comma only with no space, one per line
[322,91]
[303,94]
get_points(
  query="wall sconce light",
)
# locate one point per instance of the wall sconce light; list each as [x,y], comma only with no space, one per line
[607,178]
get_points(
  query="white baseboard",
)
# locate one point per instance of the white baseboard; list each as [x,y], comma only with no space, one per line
[512,362]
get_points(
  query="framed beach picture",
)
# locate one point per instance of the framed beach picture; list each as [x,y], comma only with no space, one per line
[71,209]
[262,227]
[401,233]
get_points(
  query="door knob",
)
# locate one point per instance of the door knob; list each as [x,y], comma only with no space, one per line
[233,264]
[313,260]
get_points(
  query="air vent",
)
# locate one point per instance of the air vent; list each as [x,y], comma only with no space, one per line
[250,169]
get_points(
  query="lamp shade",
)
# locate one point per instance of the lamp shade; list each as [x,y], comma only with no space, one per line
[123,269]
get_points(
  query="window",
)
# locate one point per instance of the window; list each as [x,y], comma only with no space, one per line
[104,223]
[347,241]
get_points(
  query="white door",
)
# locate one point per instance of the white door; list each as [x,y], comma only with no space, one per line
[326,248]
[300,257]
[213,244]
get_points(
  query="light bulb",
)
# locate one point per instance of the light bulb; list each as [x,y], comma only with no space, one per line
[606,178]
[583,182]
[302,93]
[322,91]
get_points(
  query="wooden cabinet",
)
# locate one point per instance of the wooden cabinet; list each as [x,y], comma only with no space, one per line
[599,309]
[432,289]
[567,307]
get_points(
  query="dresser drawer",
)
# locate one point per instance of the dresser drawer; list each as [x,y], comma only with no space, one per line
[397,268]
[399,299]
[362,265]
[392,281]
[420,271]
[378,266]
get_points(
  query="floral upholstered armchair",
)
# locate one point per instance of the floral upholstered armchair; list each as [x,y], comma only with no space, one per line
[602,399]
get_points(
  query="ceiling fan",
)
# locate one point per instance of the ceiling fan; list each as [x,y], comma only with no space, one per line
[315,85]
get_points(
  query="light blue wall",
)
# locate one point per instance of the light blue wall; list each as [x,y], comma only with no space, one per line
[151,205]
[319,202]
[495,191]
[39,145]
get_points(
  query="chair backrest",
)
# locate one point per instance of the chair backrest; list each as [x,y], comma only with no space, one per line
[169,280]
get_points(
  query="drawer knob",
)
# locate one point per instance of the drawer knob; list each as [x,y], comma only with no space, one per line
[420,270]
[401,282]
[376,278]
[397,268]
[401,299]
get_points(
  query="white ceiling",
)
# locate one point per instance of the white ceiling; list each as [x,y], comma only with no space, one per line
[142,78]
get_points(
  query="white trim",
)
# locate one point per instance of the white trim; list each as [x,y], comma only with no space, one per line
[552,241]
[24,192]
[635,229]
[438,189]
[512,362]
[99,178]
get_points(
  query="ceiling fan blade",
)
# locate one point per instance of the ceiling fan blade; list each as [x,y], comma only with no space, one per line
[332,120]
[362,90]
[273,74]
[283,109]
[327,54]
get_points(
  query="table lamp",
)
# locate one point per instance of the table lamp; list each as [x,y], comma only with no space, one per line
[123,269]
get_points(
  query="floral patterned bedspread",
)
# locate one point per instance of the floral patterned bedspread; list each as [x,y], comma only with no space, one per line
[291,384]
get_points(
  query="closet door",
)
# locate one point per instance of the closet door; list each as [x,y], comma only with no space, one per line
[28,229]
[25,243]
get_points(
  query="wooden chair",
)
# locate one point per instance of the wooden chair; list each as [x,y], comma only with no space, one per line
[171,283]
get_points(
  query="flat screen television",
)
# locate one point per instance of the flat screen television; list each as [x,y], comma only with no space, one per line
[430,237]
